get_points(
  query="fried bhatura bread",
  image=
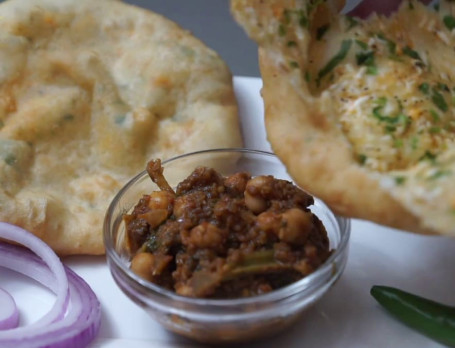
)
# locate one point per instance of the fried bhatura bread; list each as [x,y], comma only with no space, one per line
[89,92]
[362,112]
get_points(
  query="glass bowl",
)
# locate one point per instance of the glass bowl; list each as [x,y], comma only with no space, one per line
[221,320]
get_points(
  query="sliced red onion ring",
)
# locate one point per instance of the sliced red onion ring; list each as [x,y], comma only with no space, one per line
[9,315]
[75,317]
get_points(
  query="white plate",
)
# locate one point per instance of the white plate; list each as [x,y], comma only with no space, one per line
[346,317]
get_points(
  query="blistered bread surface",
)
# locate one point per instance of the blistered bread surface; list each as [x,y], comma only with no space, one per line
[89,92]
[362,112]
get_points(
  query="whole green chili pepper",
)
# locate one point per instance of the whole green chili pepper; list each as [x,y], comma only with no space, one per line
[433,319]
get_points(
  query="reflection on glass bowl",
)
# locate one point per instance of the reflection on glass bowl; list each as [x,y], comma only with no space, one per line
[221,320]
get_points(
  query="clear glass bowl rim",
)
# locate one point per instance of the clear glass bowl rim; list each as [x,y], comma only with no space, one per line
[302,285]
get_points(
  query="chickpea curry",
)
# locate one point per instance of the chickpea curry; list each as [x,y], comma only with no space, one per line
[224,236]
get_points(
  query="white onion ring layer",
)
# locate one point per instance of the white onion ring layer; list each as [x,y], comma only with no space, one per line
[9,315]
[75,319]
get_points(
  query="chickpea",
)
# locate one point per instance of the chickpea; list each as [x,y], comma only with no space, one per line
[207,235]
[283,253]
[184,289]
[254,193]
[269,222]
[179,207]
[296,226]
[142,265]
[260,183]
[237,182]
[264,288]
[304,267]
[189,202]
[311,251]
[255,204]
[161,200]
[154,217]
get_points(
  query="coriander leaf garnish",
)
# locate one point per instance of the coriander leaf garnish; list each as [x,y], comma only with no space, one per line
[435,115]
[398,143]
[440,173]
[292,43]
[307,76]
[10,159]
[68,117]
[367,59]
[303,19]
[362,158]
[390,129]
[439,101]
[372,70]
[411,53]
[424,88]
[381,101]
[119,119]
[449,21]
[392,46]
[443,87]
[361,44]
[287,16]
[293,64]
[391,120]
[336,59]
[400,180]
[352,22]
[428,156]
[303,22]
[436,97]
[312,4]
[321,31]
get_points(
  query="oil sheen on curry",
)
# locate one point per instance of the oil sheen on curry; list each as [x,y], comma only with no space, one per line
[221,236]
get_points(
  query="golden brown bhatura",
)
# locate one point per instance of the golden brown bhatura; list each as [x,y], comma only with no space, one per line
[89,92]
[361,112]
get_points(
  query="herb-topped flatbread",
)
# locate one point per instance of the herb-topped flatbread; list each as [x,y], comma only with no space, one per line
[89,92]
[362,112]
